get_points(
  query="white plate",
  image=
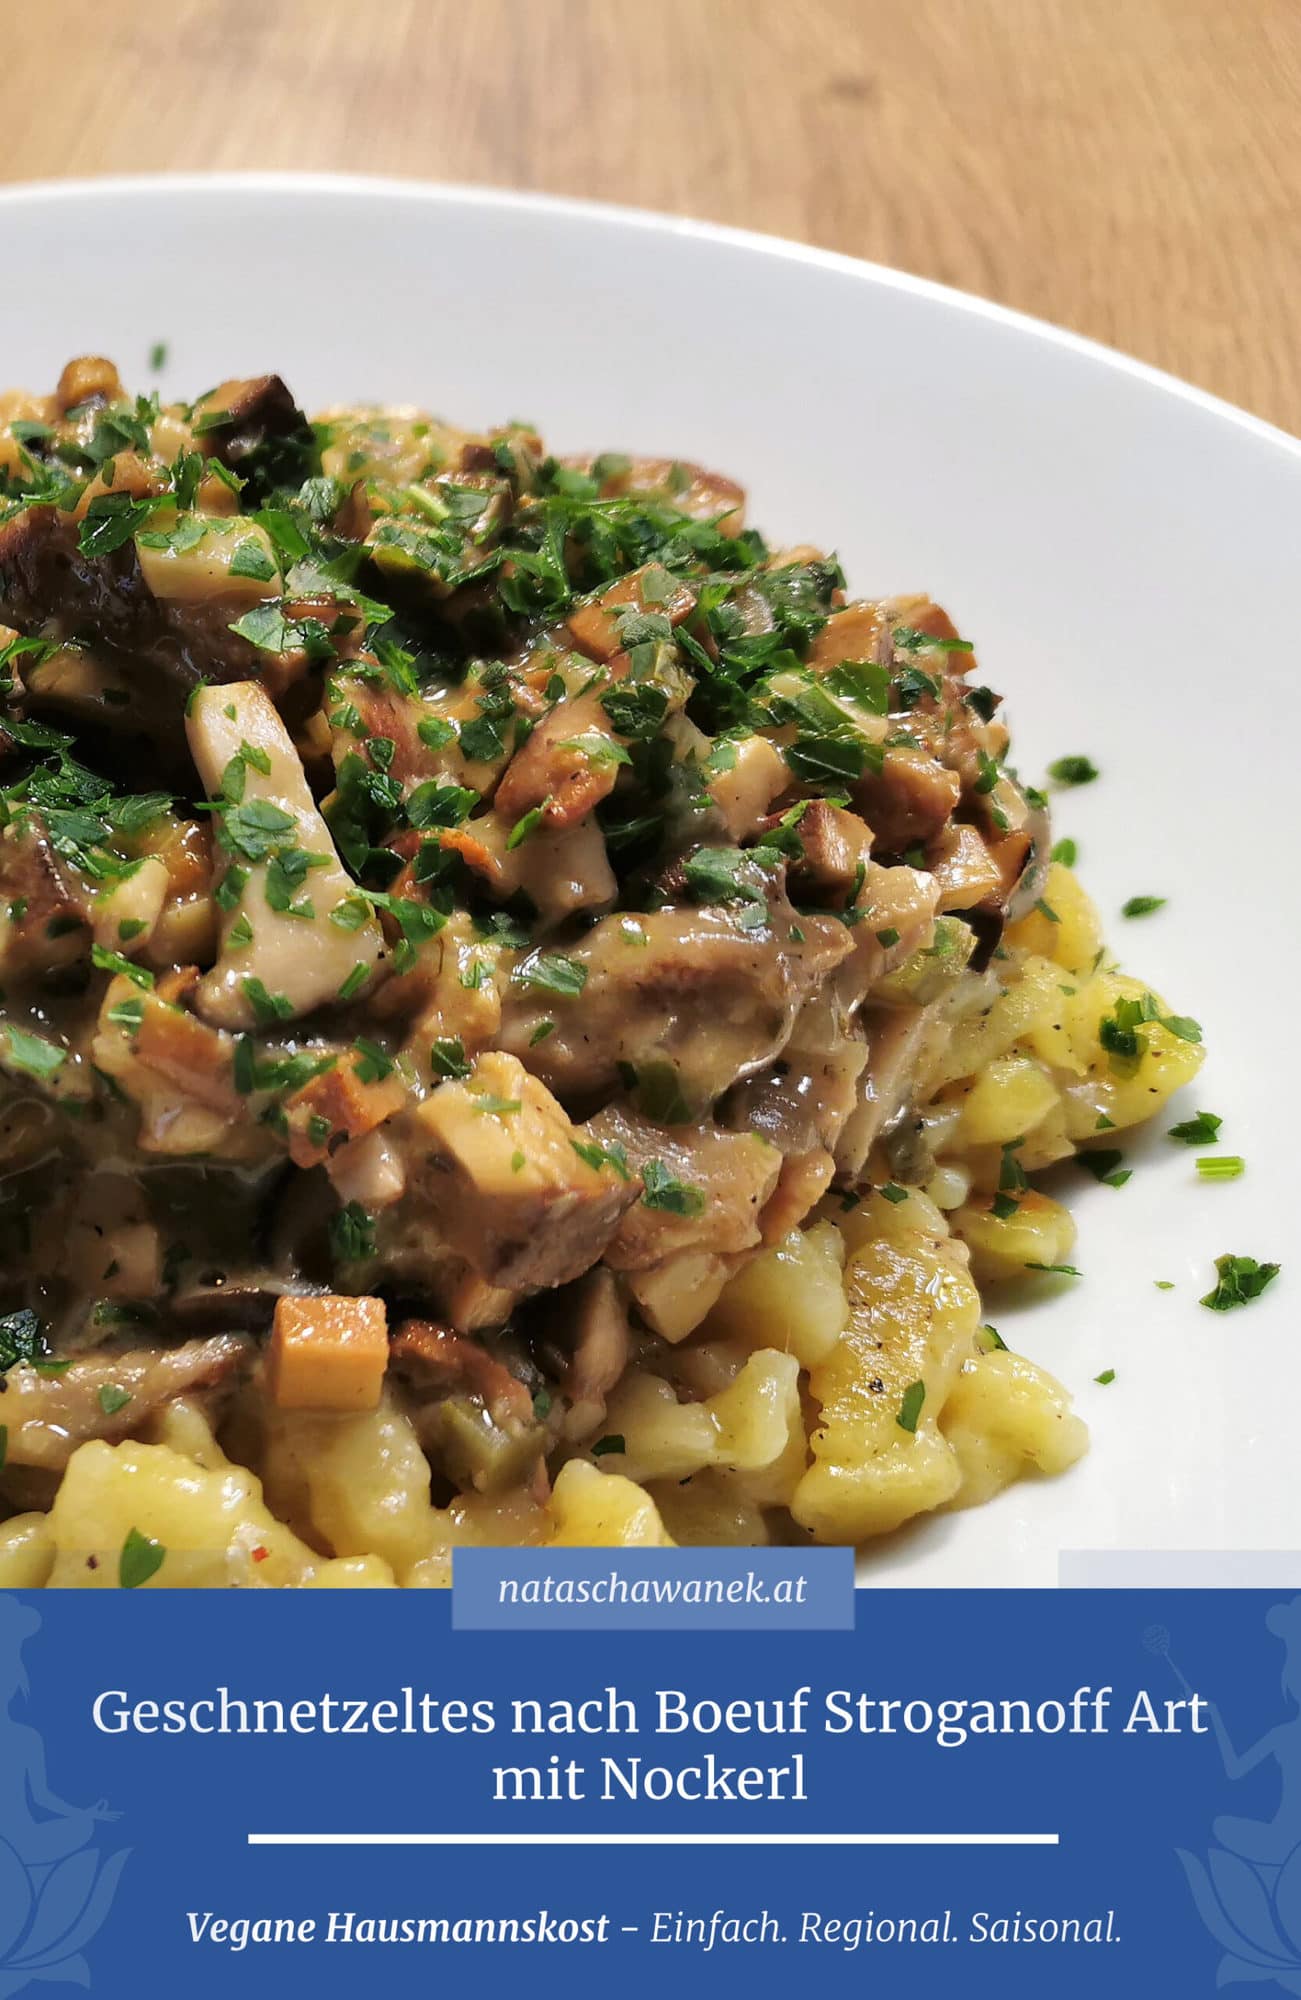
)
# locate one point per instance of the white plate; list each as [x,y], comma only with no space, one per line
[1123,549]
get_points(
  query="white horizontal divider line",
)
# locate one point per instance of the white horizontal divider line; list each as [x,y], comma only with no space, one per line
[653,1839]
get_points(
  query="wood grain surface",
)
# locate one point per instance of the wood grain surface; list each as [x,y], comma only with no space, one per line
[1130,168]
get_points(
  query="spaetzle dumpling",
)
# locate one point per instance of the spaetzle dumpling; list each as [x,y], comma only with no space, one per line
[912,1314]
[1005,1415]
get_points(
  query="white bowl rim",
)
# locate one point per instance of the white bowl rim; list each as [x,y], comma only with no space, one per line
[106,187]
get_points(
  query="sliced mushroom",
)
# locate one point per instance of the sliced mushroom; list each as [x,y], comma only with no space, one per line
[48,1415]
[302,958]
[591,1321]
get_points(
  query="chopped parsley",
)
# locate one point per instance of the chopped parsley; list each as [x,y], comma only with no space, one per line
[352,1234]
[663,1190]
[1103,1162]
[552,972]
[1073,771]
[371,1063]
[1120,1032]
[1201,1130]
[524,826]
[111,521]
[1143,906]
[356,979]
[268,1008]
[910,1407]
[433,804]
[447,1058]
[123,968]
[252,830]
[20,1338]
[1238,1281]
[141,1557]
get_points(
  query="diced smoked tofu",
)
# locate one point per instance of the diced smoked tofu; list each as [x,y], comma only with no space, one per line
[328,1353]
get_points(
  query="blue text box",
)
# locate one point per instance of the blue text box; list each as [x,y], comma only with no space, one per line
[627,1590]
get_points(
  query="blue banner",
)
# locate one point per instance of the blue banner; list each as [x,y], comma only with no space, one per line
[665,1590]
[1015,1792]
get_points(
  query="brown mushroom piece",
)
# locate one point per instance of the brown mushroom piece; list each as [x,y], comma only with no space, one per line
[108,1395]
[511,1181]
[255,427]
[590,1326]
[691,998]
[160,649]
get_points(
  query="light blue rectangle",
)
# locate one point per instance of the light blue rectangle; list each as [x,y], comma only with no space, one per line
[662,1590]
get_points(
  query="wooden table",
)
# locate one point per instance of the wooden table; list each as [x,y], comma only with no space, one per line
[1130,168]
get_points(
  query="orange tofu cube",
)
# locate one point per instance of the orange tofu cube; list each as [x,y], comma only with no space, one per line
[328,1353]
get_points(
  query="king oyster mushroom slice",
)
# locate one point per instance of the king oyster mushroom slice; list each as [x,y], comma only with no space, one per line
[302,960]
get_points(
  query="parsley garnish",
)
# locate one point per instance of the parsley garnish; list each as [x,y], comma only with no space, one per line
[253,830]
[139,1561]
[523,827]
[372,1063]
[113,961]
[912,639]
[1202,1130]
[1143,906]
[251,559]
[141,1558]
[910,1408]
[636,710]
[664,1191]
[1238,1281]
[352,1234]
[268,1007]
[1073,771]
[20,1338]
[110,522]
[552,972]
[447,1058]
[432,804]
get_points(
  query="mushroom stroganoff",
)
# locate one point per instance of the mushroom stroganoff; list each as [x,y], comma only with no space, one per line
[526,1011]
